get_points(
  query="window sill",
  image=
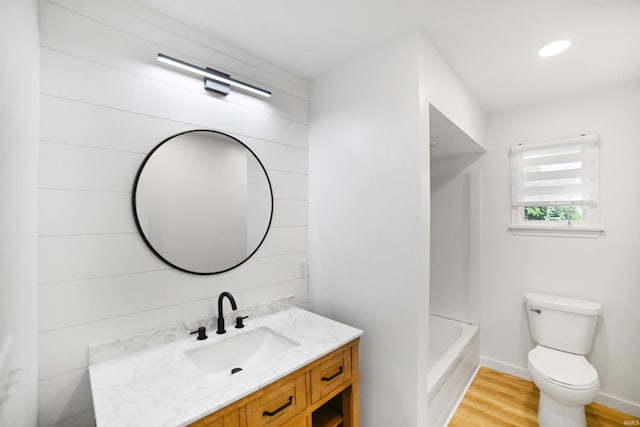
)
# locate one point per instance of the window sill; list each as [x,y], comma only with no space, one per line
[555,231]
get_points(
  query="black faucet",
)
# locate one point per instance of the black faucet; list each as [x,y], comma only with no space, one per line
[202,333]
[221,329]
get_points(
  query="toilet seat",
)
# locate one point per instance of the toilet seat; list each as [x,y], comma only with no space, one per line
[571,371]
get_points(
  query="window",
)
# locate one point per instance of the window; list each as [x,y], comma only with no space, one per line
[554,185]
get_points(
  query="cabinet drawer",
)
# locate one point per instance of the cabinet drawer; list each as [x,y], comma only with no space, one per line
[278,405]
[330,374]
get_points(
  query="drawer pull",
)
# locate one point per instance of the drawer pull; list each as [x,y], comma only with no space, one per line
[272,413]
[332,376]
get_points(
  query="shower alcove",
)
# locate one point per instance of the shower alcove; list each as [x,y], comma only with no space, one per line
[455,229]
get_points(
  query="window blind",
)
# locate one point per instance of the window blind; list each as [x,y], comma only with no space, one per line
[562,172]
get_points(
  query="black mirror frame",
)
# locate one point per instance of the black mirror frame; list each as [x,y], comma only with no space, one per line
[135,210]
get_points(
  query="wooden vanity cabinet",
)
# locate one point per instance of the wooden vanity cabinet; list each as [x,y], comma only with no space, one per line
[278,402]
[323,393]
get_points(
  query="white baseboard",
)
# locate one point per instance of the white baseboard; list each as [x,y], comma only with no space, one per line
[619,404]
[505,367]
[616,403]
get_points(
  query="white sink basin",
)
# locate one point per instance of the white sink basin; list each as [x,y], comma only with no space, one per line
[242,351]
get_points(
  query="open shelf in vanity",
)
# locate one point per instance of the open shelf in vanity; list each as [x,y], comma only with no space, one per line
[330,414]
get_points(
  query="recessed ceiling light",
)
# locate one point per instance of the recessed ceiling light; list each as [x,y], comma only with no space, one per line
[554,48]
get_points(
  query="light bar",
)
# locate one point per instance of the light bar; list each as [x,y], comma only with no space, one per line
[215,75]
[554,48]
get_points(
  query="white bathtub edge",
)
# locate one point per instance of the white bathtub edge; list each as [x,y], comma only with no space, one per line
[445,392]
[437,372]
[461,398]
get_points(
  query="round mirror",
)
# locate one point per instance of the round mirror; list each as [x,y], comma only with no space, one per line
[202,201]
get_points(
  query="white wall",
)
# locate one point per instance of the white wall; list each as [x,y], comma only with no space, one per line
[454,246]
[455,221]
[367,219]
[447,93]
[369,211]
[459,122]
[19,112]
[106,102]
[605,269]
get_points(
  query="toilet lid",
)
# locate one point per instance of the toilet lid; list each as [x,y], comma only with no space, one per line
[565,369]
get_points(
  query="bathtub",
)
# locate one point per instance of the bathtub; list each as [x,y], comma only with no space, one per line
[454,349]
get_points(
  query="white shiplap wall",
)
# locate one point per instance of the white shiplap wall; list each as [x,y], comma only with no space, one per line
[105,103]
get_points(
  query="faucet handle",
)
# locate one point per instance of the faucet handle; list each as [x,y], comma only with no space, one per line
[202,334]
[239,321]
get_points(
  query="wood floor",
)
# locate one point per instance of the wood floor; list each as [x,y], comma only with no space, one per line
[495,399]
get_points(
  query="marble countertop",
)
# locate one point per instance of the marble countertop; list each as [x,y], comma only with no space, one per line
[161,386]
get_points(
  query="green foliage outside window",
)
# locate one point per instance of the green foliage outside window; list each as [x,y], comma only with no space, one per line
[552,213]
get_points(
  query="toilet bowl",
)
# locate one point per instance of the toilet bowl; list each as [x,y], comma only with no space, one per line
[566,381]
[563,329]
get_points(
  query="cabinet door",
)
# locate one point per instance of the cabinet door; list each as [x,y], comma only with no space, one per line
[278,404]
[230,419]
[330,374]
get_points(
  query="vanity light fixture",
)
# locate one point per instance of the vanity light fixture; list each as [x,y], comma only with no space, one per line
[214,80]
[554,48]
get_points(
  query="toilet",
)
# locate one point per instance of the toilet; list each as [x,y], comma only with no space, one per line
[563,329]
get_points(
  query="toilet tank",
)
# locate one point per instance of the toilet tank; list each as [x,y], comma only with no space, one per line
[565,324]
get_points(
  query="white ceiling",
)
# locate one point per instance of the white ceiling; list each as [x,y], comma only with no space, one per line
[491,44]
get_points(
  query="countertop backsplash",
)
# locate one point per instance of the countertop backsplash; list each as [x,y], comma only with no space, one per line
[125,346]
